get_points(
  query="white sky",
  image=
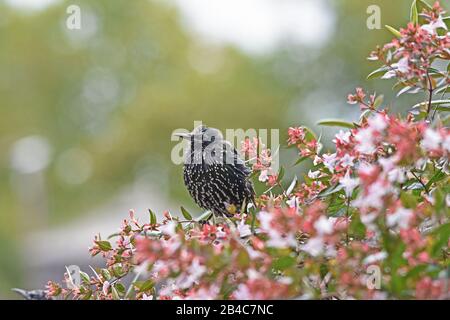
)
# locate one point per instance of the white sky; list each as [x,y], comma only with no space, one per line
[259,25]
[30,4]
[256,26]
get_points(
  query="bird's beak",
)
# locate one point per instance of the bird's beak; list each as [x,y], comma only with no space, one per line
[182,135]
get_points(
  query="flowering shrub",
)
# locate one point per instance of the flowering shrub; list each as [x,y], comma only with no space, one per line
[370,220]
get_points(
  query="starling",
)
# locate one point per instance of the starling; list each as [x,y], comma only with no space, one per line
[214,174]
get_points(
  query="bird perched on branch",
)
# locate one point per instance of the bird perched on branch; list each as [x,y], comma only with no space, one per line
[214,174]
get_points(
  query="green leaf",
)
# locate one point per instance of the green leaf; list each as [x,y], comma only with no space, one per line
[438,176]
[336,123]
[291,186]
[408,200]
[443,90]
[120,288]
[205,216]
[394,31]
[186,214]
[115,293]
[300,160]
[414,15]
[310,135]
[152,216]
[377,73]
[329,191]
[447,23]
[357,228]
[442,234]
[378,101]
[433,103]
[85,276]
[280,174]
[243,259]
[421,4]
[104,245]
[439,200]
[106,274]
[404,90]
[144,285]
[284,263]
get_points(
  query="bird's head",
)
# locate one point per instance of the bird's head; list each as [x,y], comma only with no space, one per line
[202,135]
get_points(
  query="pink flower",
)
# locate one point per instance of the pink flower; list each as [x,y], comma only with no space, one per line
[296,134]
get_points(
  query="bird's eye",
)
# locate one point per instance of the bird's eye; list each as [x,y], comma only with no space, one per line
[213,138]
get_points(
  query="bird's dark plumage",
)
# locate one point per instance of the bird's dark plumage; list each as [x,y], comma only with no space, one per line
[214,174]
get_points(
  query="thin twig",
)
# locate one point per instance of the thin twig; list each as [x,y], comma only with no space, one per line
[420,181]
[430,91]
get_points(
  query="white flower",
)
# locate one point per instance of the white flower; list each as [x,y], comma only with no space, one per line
[277,240]
[330,251]
[204,293]
[364,137]
[397,175]
[194,272]
[347,160]
[446,143]
[375,257]
[434,25]
[387,163]
[243,229]
[374,197]
[400,218]
[105,287]
[253,254]
[169,228]
[390,74]
[314,246]
[265,219]
[146,297]
[368,219]
[349,184]
[313,174]
[431,139]
[343,136]
[264,176]
[253,274]
[403,65]
[242,293]
[323,225]
[293,202]
[377,122]
[329,160]
[317,160]
[285,280]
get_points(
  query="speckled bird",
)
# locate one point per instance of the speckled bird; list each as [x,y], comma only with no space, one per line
[214,174]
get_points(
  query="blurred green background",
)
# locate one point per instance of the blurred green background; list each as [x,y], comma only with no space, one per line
[85,114]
